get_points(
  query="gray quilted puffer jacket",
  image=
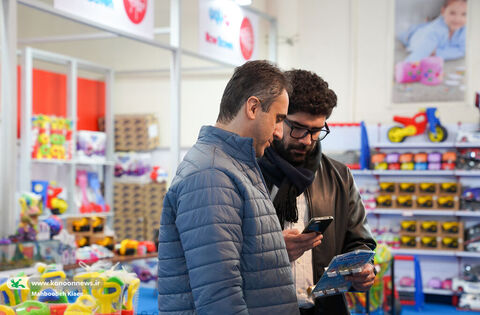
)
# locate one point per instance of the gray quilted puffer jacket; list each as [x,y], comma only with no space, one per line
[221,249]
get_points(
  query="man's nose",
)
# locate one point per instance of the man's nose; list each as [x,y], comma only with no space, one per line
[278,131]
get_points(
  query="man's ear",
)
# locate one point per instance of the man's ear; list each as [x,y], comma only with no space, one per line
[252,106]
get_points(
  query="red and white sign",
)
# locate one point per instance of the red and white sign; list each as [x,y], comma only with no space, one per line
[132,16]
[226,32]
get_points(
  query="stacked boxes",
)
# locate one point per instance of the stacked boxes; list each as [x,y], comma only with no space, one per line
[138,208]
[136,132]
[88,230]
[443,196]
[431,234]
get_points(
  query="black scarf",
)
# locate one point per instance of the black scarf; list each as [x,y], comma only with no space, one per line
[291,181]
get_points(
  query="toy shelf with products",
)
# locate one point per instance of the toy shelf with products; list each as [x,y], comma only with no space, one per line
[440,263]
[52,149]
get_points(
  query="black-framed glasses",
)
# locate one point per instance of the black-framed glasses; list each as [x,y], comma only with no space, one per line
[316,134]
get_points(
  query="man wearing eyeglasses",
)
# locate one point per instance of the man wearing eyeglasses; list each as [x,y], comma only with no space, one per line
[304,183]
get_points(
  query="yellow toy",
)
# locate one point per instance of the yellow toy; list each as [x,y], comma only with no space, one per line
[5,310]
[84,305]
[132,289]
[12,297]
[107,295]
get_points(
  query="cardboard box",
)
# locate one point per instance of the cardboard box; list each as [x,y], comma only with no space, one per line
[429,228]
[427,188]
[448,202]
[409,241]
[429,241]
[451,228]
[451,243]
[406,188]
[136,132]
[405,201]
[79,226]
[449,188]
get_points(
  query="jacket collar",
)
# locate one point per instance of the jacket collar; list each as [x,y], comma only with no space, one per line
[239,147]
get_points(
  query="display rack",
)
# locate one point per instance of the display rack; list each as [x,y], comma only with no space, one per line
[26,161]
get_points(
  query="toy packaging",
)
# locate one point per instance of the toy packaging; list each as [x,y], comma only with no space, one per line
[91,145]
[333,279]
[52,137]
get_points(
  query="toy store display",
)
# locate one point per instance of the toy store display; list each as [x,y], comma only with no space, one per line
[91,145]
[416,125]
[468,159]
[426,195]
[431,234]
[53,197]
[136,132]
[89,230]
[52,137]
[409,161]
[95,290]
[138,209]
[89,195]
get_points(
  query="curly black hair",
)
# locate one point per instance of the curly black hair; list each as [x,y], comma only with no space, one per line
[310,94]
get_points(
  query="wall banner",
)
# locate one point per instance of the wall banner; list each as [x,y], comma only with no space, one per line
[227,32]
[132,16]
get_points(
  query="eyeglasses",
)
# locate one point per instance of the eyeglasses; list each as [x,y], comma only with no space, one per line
[316,134]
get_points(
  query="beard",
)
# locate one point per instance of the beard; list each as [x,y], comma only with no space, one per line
[287,151]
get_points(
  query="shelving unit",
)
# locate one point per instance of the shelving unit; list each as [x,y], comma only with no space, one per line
[415,212]
[73,65]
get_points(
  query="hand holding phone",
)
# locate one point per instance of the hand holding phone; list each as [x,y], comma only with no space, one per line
[318,224]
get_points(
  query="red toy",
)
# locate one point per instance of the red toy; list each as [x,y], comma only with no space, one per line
[55,204]
[416,125]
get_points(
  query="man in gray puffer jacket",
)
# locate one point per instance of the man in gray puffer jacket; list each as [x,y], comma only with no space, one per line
[221,249]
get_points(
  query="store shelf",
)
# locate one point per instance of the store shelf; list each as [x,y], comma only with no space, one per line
[415,212]
[424,252]
[414,173]
[117,258]
[406,145]
[70,162]
[426,290]
[76,215]
[467,145]
[467,173]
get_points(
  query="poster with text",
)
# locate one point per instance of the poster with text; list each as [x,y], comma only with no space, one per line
[132,16]
[429,57]
[227,32]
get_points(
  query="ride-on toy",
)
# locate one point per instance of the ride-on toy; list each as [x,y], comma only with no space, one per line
[416,125]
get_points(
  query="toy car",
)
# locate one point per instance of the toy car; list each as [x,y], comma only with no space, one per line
[82,225]
[384,200]
[469,301]
[427,187]
[407,187]
[404,201]
[387,187]
[445,202]
[450,227]
[450,242]
[449,187]
[425,201]
[408,241]
[97,224]
[409,226]
[128,247]
[429,226]
[429,241]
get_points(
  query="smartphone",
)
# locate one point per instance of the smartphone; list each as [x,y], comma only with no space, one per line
[318,224]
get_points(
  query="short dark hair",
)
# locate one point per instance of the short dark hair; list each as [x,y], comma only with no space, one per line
[310,94]
[254,78]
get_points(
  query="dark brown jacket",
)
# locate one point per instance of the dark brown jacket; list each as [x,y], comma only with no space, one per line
[333,192]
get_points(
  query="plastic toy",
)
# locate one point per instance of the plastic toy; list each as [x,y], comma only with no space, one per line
[131,291]
[405,157]
[407,187]
[427,187]
[149,245]
[55,204]
[420,157]
[404,201]
[32,308]
[416,125]
[435,283]
[450,227]
[378,161]
[429,226]
[432,70]
[450,242]
[12,297]
[5,310]
[429,241]
[406,282]
[384,200]
[128,247]
[107,295]
[55,225]
[445,202]
[84,305]
[40,187]
[94,184]
[425,201]
[469,301]
[82,182]
[408,241]
[31,208]
[82,225]
[434,157]
[407,166]
[394,166]
[97,224]
[449,187]
[387,187]
[392,157]
[407,72]
[107,242]
[408,226]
